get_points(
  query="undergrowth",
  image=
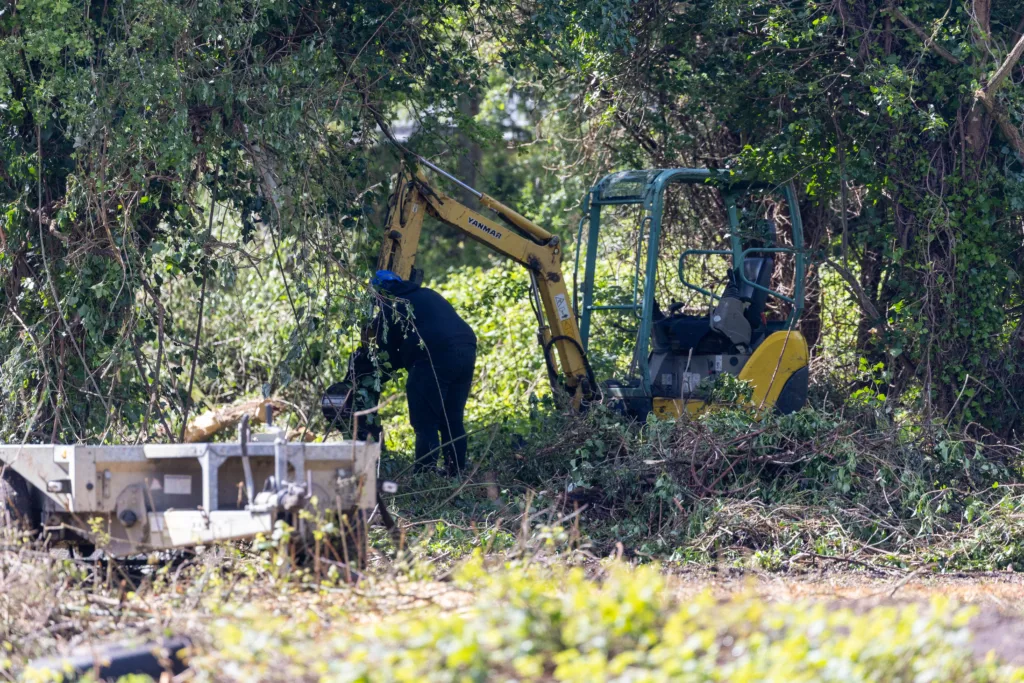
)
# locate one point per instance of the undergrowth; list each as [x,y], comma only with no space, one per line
[504,572]
[552,623]
[732,487]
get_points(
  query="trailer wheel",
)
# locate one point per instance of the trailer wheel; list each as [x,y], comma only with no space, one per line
[17,507]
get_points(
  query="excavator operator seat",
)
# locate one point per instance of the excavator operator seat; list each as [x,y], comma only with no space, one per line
[688,349]
[757,267]
[680,333]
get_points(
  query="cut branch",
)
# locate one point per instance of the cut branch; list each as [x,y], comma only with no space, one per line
[213,421]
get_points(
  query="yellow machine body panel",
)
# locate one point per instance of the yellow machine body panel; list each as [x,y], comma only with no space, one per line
[768,369]
[772,364]
[672,408]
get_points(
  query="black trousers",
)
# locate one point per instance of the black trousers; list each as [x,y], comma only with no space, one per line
[437,390]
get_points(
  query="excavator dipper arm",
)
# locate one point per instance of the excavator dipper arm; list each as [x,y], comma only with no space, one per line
[522,241]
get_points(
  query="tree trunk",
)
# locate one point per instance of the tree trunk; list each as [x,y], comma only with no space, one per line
[870,277]
[815,219]
[976,131]
[472,155]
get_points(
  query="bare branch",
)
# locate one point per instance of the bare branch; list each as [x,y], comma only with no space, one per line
[1004,70]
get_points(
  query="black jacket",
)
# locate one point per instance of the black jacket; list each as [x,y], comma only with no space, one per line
[431,320]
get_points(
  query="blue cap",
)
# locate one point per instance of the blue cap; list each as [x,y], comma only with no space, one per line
[383,276]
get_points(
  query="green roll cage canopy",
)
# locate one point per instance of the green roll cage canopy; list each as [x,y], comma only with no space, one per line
[647,188]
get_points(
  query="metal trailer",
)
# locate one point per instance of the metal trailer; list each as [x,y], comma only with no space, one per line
[157,497]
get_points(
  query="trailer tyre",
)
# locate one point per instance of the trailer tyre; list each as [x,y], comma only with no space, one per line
[16,504]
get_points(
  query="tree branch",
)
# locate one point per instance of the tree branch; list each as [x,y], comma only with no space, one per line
[895,13]
[199,322]
[982,20]
[866,304]
[1005,68]
[386,129]
[987,96]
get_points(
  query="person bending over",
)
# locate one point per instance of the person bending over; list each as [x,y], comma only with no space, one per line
[421,332]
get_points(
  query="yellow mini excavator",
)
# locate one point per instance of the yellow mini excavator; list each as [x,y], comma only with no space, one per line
[733,337]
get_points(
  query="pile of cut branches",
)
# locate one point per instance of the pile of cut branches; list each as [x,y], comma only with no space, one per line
[726,485]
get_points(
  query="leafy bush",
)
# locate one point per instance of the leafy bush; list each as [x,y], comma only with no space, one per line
[530,622]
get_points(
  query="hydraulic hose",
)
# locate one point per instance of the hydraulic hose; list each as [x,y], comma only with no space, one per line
[586,362]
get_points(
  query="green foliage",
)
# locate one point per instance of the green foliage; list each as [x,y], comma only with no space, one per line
[909,184]
[725,389]
[123,123]
[533,623]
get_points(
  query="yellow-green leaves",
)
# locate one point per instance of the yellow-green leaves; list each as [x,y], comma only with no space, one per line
[533,622]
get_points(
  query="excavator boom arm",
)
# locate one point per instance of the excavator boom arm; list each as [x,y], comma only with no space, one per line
[539,251]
